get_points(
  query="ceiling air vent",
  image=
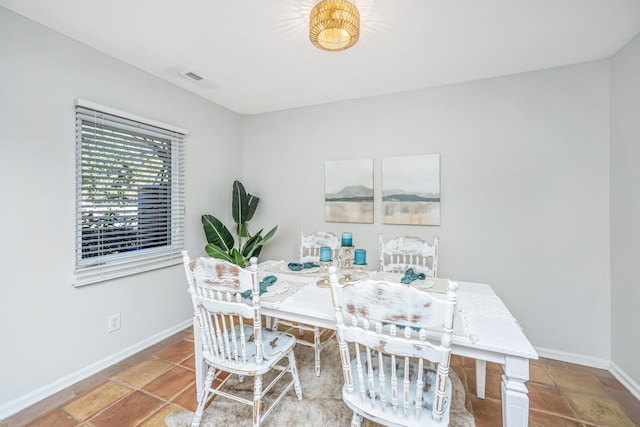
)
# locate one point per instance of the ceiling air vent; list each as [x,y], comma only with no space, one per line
[199,80]
[193,76]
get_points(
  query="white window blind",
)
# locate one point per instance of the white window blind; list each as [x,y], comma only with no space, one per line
[129,194]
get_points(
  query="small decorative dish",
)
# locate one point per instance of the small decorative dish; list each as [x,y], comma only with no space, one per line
[277,288]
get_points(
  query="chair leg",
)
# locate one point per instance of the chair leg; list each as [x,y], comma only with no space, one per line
[257,391]
[274,324]
[204,398]
[294,374]
[316,347]
[356,420]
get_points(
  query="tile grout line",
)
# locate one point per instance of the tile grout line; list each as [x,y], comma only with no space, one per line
[613,397]
[609,397]
[165,402]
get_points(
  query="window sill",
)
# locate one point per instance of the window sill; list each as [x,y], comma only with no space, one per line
[105,272]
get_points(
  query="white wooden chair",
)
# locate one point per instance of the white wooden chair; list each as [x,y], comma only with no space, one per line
[401,253]
[232,336]
[310,245]
[310,252]
[389,379]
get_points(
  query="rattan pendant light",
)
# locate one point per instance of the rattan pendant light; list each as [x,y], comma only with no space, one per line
[334,25]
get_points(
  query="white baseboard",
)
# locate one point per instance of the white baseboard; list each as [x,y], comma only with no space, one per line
[579,359]
[14,406]
[626,380]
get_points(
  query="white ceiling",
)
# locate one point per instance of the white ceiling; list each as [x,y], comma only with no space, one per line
[258,55]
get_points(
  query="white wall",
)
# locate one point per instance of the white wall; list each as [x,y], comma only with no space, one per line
[49,329]
[524,180]
[625,209]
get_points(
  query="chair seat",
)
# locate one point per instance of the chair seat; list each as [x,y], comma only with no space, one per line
[275,346]
[354,400]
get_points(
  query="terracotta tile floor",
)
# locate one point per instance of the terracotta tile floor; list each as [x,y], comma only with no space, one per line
[143,389]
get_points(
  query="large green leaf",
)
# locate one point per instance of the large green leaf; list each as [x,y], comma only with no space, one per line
[244,205]
[215,252]
[237,258]
[234,256]
[239,203]
[242,230]
[250,245]
[252,205]
[217,233]
[256,251]
[254,245]
[270,234]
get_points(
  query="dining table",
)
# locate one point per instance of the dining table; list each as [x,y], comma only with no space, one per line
[484,329]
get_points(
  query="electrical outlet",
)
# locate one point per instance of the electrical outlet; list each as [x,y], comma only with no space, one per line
[113,322]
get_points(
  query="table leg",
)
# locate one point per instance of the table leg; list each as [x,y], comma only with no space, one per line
[515,400]
[316,347]
[481,377]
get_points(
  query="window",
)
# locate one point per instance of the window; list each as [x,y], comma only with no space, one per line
[129,194]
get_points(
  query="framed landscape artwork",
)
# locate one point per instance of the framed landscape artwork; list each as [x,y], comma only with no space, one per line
[411,190]
[348,191]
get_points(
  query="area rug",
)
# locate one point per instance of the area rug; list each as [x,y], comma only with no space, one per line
[321,403]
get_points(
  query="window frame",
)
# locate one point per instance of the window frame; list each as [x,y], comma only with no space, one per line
[107,266]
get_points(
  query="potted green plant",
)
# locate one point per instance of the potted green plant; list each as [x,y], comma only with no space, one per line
[221,243]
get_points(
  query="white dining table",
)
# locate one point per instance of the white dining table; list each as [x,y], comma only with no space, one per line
[489,332]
